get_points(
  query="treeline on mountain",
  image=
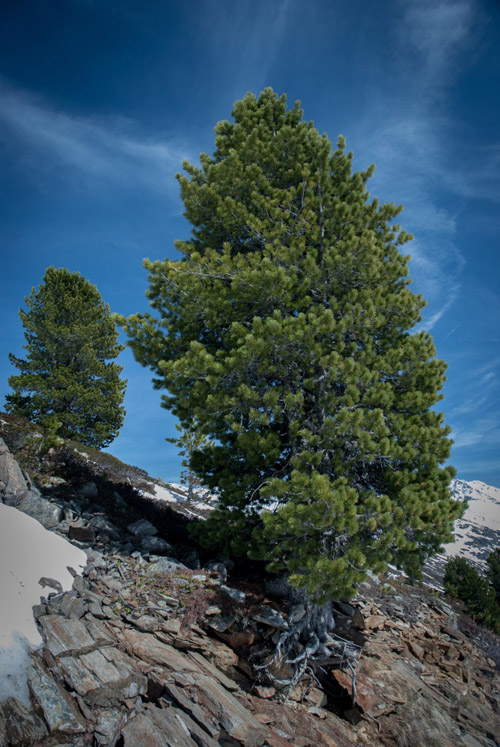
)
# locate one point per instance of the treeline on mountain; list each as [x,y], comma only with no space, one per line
[480,594]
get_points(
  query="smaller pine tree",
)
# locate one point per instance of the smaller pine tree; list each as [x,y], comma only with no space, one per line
[67,376]
[190,441]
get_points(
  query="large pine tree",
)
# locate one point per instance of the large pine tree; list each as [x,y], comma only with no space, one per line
[70,341]
[286,330]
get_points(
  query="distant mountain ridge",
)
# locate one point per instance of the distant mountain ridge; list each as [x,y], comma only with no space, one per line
[477,533]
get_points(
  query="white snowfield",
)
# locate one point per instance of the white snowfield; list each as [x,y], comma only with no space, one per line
[28,552]
[478,531]
[176,493]
[159,494]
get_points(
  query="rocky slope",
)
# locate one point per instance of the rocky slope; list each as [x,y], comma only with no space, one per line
[157,644]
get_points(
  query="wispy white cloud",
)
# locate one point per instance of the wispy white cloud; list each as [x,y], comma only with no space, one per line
[485,431]
[61,145]
[438,33]
[409,139]
[411,168]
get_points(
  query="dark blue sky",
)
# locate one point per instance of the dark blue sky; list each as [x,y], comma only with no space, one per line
[101,100]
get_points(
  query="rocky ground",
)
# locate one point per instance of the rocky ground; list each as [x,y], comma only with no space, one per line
[157,644]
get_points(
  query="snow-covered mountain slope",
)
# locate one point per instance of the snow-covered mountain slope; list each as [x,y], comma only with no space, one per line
[477,533]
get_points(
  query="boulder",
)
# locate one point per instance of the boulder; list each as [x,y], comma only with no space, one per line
[166,565]
[142,528]
[12,480]
[155,544]
[44,511]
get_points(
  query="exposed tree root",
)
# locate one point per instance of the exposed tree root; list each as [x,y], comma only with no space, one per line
[307,646]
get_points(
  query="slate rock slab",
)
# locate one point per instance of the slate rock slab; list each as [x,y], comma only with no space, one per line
[229,712]
[65,637]
[144,731]
[148,648]
[104,677]
[58,710]
[19,725]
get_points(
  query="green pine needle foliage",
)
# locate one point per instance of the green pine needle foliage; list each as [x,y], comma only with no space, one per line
[67,377]
[286,330]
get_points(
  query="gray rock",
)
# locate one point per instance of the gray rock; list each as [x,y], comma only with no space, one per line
[81,534]
[297,612]
[78,584]
[234,594]
[155,544]
[19,725]
[73,607]
[344,607]
[271,617]
[52,583]
[58,711]
[48,514]
[96,559]
[65,637]
[147,623]
[109,613]
[192,560]
[12,480]
[232,716]
[221,623]
[96,611]
[39,610]
[109,723]
[165,565]
[144,729]
[104,677]
[102,524]
[88,490]
[112,583]
[119,501]
[194,710]
[142,528]
[16,491]
[220,568]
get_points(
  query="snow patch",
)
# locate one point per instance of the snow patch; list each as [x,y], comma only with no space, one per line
[28,551]
[159,494]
